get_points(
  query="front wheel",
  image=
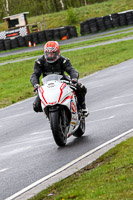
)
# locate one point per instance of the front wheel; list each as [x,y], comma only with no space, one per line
[81,129]
[58,129]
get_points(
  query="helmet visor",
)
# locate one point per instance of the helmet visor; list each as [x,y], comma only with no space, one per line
[51,56]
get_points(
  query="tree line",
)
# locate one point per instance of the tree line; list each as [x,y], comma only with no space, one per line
[38,7]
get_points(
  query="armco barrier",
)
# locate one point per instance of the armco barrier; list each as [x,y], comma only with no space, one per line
[103,23]
[40,37]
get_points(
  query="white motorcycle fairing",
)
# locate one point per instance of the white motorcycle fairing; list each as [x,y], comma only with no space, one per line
[55,95]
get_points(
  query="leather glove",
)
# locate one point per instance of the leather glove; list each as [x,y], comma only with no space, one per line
[74,81]
[36,86]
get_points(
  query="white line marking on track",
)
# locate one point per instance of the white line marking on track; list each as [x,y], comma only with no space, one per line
[15,104]
[29,141]
[110,107]
[3,170]
[42,145]
[95,87]
[26,113]
[41,132]
[111,117]
[15,151]
[67,165]
[128,95]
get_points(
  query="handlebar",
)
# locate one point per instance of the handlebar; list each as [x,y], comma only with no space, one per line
[73,86]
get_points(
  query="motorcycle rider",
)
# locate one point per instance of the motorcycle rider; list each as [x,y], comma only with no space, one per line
[54,63]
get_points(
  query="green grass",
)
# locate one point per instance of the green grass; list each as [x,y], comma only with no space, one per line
[67,46]
[108,178]
[15,78]
[82,13]
[111,176]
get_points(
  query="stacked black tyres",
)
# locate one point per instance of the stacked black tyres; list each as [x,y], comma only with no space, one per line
[64,32]
[122,19]
[35,38]
[21,41]
[100,24]
[73,31]
[107,22]
[14,43]
[28,38]
[41,37]
[85,28]
[115,20]
[2,47]
[49,34]
[93,25]
[56,34]
[129,17]
[7,44]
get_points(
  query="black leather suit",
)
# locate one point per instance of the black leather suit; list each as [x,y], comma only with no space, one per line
[42,67]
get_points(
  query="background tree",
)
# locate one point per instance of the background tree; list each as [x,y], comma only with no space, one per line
[38,7]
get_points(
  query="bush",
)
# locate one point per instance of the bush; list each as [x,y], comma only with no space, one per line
[71,16]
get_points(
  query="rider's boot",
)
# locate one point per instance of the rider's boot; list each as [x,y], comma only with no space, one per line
[84,109]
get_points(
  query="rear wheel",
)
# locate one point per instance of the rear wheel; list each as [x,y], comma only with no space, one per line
[81,129]
[58,128]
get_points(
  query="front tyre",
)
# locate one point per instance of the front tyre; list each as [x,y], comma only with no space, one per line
[81,129]
[58,129]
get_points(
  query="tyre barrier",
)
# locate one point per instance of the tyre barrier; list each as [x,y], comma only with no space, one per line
[122,19]
[115,20]
[49,34]
[56,34]
[98,24]
[21,41]
[2,47]
[72,31]
[108,22]
[129,17]
[84,28]
[7,43]
[14,43]
[28,38]
[93,25]
[35,38]
[40,37]
[64,32]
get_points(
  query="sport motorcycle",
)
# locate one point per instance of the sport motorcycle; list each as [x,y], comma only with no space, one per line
[60,105]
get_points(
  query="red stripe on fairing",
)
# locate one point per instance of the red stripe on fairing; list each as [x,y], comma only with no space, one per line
[69,97]
[52,103]
[42,91]
[61,90]
[43,103]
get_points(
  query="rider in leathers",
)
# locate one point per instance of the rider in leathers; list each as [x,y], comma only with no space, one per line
[54,63]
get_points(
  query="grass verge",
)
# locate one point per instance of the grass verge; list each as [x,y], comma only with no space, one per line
[81,14]
[15,78]
[67,46]
[108,178]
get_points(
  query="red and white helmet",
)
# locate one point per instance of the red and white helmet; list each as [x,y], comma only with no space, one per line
[52,51]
